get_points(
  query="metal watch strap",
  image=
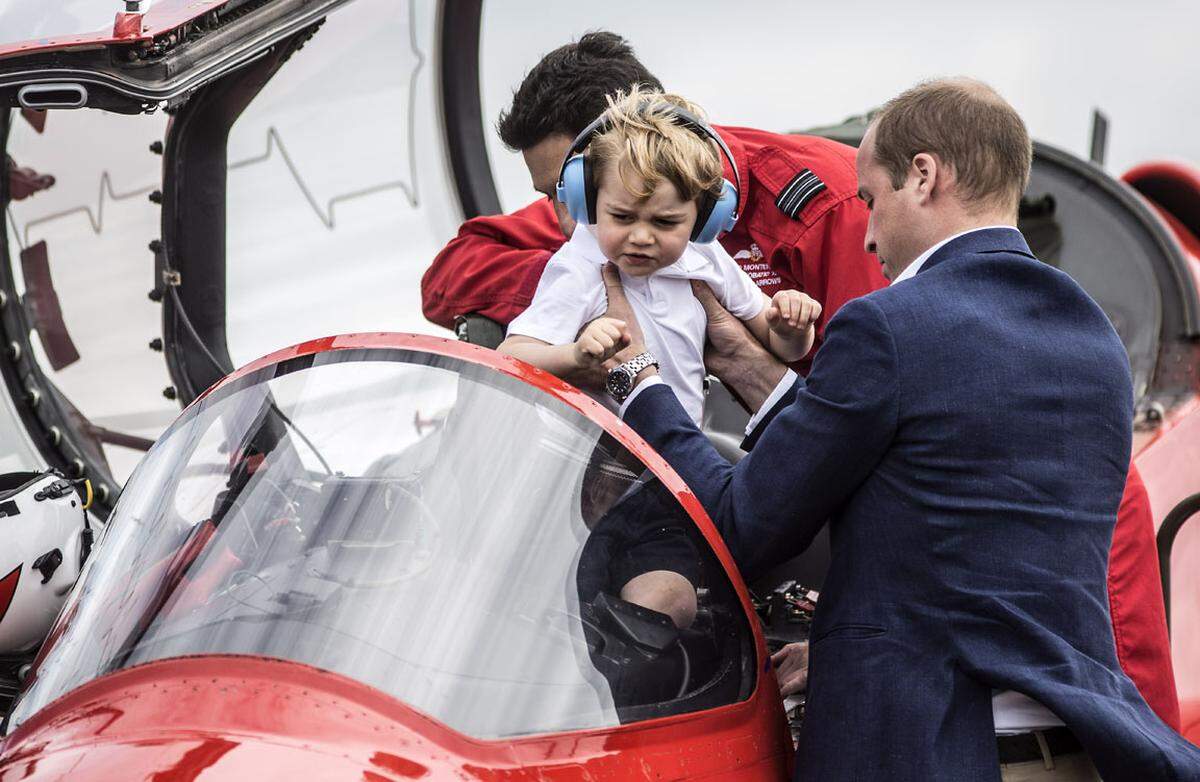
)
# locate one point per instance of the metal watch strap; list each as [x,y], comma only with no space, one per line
[638,363]
[620,380]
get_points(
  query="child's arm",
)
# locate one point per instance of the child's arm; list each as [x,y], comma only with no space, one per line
[599,341]
[784,324]
[787,325]
[558,360]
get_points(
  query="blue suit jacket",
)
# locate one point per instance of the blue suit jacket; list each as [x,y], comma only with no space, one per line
[967,434]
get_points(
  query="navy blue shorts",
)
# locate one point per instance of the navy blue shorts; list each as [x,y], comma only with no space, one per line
[645,530]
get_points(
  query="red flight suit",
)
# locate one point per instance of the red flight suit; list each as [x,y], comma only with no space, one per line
[1135,600]
[789,236]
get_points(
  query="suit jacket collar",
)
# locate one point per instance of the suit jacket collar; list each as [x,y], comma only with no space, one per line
[984,240]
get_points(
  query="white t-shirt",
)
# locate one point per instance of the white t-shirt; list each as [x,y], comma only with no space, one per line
[571,294]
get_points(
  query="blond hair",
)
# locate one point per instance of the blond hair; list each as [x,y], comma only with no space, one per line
[648,145]
[968,126]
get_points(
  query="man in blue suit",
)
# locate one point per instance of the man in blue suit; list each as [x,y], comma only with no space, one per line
[966,432]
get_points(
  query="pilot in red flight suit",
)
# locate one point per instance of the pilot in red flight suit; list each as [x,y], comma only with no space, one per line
[801,226]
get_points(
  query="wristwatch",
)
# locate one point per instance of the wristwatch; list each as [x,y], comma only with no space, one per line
[620,378]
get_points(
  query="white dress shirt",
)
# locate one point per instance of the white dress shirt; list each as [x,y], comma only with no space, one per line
[914,267]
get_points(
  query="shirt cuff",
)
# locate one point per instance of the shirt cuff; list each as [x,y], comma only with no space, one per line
[653,380]
[789,379]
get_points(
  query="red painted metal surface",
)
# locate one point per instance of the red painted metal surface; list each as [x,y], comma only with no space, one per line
[1189,713]
[127,26]
[1183,173]
[236,718]
[1170,466]
[163,16]
[240,718]
[1178,186]
[1169,456]
[8,588]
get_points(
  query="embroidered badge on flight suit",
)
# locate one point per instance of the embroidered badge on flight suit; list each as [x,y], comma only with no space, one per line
[754,264]
[803,188]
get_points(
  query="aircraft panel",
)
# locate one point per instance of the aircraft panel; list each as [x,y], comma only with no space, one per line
[336,194]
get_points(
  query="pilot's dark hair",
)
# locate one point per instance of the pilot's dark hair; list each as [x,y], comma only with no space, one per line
[566,90]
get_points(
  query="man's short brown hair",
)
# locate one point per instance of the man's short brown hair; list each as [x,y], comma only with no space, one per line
[966,125]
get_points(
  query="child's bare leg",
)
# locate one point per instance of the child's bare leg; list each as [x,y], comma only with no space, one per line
[664,591]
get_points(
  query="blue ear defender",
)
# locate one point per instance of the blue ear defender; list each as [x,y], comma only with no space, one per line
[576,186]
[722,215]
[572,190]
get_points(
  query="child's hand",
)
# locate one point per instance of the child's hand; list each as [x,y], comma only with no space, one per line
[792,311]
[600,341]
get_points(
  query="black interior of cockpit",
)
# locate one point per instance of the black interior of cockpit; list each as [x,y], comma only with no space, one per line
[653,667]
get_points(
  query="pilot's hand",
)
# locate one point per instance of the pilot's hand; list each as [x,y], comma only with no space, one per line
[791,668]
[600,341]
[732,353]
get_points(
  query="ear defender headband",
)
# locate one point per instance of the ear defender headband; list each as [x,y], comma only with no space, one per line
[577,184]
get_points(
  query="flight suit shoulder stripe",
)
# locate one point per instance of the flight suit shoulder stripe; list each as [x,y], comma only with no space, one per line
[787,190]
[803,195]
[802,189]
[802,186]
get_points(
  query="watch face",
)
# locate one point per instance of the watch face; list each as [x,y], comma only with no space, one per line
[619,383]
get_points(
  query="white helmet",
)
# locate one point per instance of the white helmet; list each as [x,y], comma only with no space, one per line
[44,539]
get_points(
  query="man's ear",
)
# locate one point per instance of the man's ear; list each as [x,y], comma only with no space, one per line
[925,170]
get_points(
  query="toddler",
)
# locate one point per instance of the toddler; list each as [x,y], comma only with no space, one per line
[654,172]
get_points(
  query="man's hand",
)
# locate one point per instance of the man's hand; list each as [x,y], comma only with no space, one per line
[791,668]
[619,308]
[600,341]
[732,353]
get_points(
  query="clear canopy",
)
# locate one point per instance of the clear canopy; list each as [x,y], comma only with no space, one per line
[433,528]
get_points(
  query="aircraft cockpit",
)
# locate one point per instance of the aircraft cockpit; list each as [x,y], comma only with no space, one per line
[444,532]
